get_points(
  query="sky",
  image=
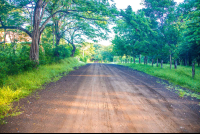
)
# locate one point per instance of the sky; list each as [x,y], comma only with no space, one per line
[123,4]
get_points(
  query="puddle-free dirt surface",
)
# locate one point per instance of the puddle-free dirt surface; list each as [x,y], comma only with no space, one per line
[100,98]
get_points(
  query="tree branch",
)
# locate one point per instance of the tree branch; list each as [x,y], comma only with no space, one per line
[2,42]
[68,40]
[47,20]
[45,27]
[43,9]
[16,27]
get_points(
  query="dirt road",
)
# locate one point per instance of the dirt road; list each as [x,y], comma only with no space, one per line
[105,98]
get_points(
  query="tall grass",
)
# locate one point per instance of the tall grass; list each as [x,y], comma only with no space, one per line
[181,76]
[21,85]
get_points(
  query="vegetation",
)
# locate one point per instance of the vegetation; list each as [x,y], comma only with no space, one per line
[23,84]
[82,17]
[39,36]
[91,52]
[181,76]
[160,31]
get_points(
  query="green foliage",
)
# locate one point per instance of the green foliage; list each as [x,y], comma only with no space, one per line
[103,53]
[133,34]
[15,62]
[21,85]
[159,30]
[95,52]
[181,76]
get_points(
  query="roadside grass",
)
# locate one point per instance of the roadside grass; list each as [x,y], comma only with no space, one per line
[181,76]
[22,85]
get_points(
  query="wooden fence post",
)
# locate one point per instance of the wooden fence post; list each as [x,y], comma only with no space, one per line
[193,70]
[170,61]
[146,59]
[175,64]
[157,62]
[139,59]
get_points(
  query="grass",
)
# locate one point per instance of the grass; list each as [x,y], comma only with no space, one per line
[22,85]
[181,76]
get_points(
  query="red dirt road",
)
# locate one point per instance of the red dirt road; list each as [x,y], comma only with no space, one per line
[100,98]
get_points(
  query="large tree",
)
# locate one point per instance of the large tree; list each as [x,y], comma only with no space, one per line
[87,9]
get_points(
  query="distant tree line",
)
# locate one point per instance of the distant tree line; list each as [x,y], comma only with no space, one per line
[162,31]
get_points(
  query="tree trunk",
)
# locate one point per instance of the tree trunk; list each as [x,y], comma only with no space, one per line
[146,59]
[161,63]
[175,64]
[193,70]
[152,62]
[139,58]
[157,62]
[53,36]
[34,50]
[134,59]
[170,60]
[56,53]
[73,50]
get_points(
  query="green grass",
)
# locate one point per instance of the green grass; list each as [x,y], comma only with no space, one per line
[22,85]
[181,76]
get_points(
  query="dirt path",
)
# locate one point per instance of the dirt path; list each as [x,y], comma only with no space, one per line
[105,98]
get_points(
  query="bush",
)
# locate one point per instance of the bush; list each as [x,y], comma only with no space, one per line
[84,59]
[17,61]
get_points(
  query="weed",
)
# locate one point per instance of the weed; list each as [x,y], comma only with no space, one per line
[21,85]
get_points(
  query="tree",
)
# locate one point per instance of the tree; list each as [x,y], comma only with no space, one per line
[89,9]
[132,34]
[189,42]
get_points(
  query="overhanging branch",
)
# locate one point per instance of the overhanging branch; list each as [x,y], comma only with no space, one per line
[16,27]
